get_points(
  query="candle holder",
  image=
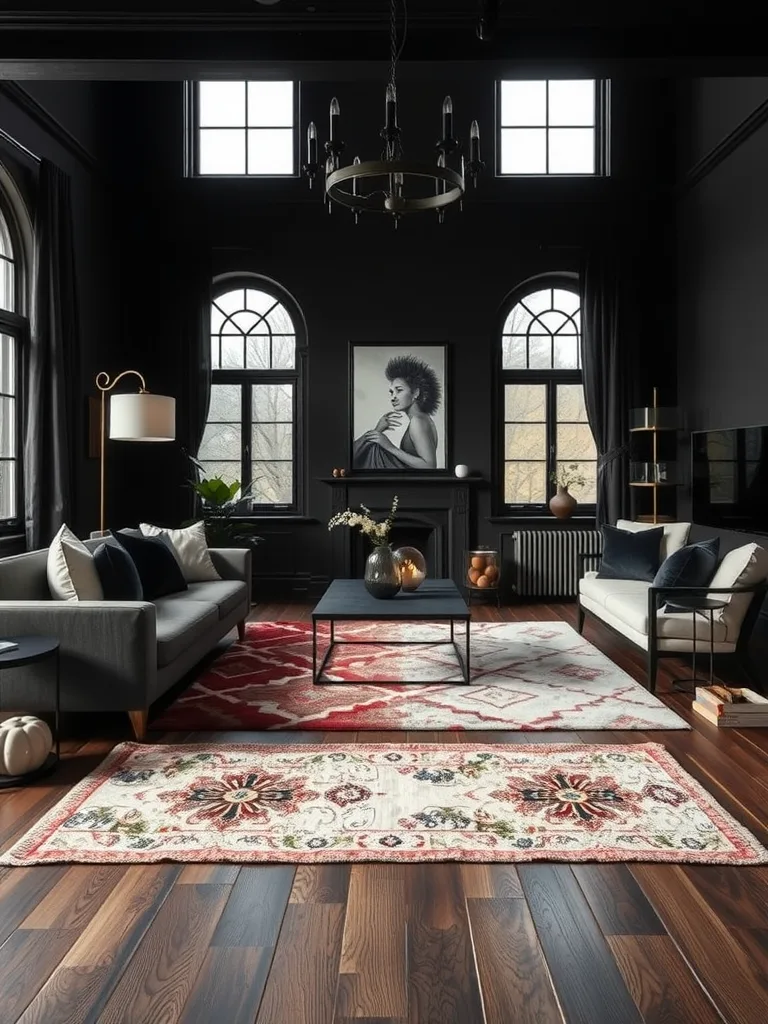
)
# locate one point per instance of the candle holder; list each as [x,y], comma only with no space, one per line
[482,572]
[413,568]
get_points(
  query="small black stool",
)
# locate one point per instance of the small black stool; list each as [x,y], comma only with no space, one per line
[30,650]
[707,606]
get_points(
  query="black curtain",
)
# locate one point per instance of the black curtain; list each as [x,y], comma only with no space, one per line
[606,362]
[194,320]
[51,370]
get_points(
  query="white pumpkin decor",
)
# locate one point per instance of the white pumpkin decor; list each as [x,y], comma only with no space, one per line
[25,742]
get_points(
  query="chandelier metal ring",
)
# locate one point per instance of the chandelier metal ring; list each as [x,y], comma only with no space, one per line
[452,180]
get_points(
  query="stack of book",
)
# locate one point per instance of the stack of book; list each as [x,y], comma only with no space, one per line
[728,706]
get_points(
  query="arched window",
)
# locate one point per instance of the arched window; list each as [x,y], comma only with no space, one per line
[253,430]
[13,334]
[545,428]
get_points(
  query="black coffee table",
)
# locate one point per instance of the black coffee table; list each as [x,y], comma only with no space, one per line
[349,601]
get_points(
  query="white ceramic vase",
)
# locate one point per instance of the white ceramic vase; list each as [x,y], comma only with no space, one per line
[461,470]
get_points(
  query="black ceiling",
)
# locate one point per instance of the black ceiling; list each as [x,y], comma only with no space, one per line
[356,30]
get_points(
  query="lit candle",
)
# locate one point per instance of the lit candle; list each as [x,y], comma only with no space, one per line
[447,118]
[474,142]
[335,115]
[391,107]
[312,144]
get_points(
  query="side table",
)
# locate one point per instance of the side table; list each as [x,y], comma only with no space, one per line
[707,606]
[30,650]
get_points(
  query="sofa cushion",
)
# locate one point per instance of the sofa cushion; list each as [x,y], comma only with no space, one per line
[180,624]
[117,571]
[675,534]
[191,549]
[630,555]
[225,594]
[742,567]
[691,566]
[72,575]
[598,590]
[158,569]
[633,610]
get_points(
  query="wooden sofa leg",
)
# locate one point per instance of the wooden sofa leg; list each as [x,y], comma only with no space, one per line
[139,723]
[241,630]
[651,670]
[580,620]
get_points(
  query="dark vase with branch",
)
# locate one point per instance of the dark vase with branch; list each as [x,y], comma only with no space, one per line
[221,509]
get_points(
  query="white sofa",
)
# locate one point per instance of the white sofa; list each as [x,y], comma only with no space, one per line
[631,607]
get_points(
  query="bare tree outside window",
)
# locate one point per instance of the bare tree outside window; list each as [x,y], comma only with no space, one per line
[545,421]
[251,432]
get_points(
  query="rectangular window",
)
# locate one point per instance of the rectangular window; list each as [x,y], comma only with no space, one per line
[545,433]
[552,127]
[245,129]
[9,431]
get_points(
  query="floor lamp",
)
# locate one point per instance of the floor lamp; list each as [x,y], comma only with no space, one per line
[133,417]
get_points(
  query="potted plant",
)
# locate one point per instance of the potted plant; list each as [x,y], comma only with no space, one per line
[220,502]
[563,504]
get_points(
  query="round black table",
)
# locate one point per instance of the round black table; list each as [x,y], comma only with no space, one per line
[30,650]
[707,606]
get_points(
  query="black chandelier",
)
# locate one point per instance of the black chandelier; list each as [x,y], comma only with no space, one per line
[393,184]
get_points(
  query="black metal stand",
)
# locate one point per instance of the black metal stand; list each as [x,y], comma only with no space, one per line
[482,590]
[32,649]
[707,608]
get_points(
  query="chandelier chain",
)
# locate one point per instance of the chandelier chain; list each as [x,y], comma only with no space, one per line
[394,49]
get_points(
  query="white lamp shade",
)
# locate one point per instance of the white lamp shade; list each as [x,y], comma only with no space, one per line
[142,417]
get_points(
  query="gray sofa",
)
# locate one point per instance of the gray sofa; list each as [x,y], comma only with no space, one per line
[116,655]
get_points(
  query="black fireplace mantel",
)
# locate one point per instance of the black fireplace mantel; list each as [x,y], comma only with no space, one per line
[374,479]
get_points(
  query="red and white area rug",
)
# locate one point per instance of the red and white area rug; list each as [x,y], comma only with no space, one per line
[373,802]
[525,675]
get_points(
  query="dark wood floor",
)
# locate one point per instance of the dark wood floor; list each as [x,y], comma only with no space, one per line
[390,943]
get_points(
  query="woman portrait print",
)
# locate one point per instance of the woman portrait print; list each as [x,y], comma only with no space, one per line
[414,394]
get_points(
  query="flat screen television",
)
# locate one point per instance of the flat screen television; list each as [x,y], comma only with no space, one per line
[729,478]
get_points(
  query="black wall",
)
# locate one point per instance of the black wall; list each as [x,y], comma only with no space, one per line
[423,283]
[722,256]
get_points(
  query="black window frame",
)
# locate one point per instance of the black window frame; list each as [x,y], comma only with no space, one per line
[247,378]
[602,132]
[15,325]
[192,136]
[550,378]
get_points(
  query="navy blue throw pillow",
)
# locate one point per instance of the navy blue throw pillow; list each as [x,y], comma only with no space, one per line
[691,566]
[158,569]
[117,571]
[630,556]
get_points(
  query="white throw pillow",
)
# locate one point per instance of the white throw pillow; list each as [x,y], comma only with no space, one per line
[191,549]
[72,574]
[742,567]
[675,534]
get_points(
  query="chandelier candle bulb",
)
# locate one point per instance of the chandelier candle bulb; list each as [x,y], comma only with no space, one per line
[391,107]
[356,161]
[335,114]
[447,118]
[312,143]
[474,142]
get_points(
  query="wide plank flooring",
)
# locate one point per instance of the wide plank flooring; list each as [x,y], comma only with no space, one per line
[396,943]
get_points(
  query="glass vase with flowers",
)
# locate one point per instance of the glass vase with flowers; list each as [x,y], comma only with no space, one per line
[382,573]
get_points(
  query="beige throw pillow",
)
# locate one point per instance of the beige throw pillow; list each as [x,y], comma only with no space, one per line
[675,534]
[72,574]
[742,567]
[191,549]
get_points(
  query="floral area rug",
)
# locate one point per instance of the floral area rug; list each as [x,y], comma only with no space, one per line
[374,802]
[525,675]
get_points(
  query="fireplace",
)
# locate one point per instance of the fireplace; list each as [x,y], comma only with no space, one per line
[417,531]
[433,515]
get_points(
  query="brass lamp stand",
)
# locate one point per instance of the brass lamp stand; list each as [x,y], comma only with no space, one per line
[132,417]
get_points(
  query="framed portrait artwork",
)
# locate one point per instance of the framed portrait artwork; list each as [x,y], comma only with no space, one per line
[398,414]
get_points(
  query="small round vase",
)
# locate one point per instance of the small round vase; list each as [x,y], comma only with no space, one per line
[382,574]
[562,504]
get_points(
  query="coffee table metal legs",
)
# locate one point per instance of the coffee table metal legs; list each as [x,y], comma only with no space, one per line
[462,656]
